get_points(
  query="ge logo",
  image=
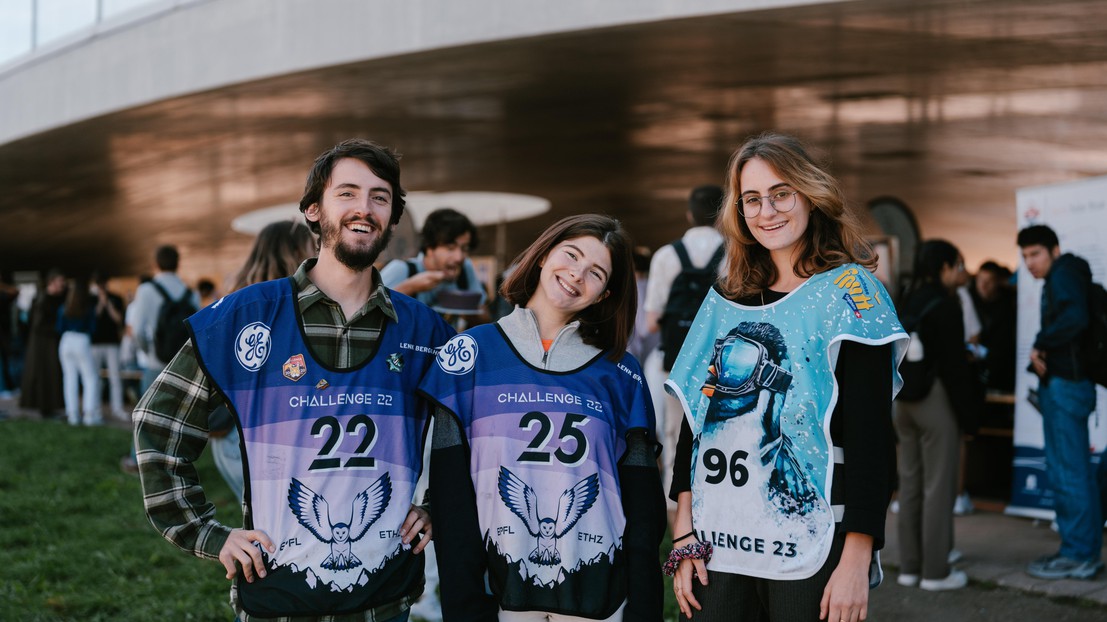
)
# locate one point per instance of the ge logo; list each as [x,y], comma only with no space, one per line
[251,347]
[458,356]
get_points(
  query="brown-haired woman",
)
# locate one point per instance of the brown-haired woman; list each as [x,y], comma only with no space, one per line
[76,322]
[543,481]
[785,463]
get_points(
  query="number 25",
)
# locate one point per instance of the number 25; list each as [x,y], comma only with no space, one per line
[570,430]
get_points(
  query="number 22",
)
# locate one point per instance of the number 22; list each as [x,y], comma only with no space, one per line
[360,459]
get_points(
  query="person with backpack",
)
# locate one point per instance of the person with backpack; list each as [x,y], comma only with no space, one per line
[941,398]
[161,306]
[442,268]
[681,273]
[1067,396]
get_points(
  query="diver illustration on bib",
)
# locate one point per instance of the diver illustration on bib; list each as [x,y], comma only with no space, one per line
[749,377]
[521,499]
[313,512]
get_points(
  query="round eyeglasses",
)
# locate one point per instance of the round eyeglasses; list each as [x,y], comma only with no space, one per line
[782,200]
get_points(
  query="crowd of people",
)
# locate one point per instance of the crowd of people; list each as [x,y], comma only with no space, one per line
[764,408]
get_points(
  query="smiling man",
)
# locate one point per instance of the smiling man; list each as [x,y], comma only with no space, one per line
[318,371]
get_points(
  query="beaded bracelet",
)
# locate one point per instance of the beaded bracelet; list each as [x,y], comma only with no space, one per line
[696,550]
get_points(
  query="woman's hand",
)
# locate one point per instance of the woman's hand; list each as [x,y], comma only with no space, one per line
[682,580]
[846,597]
[682,584]
[418,520]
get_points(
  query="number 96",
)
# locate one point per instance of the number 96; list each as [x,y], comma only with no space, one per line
[714,460]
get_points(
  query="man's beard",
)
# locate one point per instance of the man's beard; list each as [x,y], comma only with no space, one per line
[356,258]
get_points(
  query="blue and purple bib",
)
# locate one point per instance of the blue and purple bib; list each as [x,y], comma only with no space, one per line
[330,457]
[544,451]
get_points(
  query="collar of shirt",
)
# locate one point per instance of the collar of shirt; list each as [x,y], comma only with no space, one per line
[307,294]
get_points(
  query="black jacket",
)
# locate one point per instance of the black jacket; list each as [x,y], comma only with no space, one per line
[942,331]
[1064,316]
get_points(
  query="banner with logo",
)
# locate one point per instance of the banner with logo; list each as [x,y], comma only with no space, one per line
[1077,211]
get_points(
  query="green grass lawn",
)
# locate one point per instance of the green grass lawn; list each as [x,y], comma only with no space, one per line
[76,545]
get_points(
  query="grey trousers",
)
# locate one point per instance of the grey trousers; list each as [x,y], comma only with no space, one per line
[929,457]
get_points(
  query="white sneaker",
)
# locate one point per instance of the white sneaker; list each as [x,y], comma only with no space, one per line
[962,505]
[955,581]
[907,580]
[954,556]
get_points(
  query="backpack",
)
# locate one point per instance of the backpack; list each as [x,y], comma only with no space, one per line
[1095,343]
[689,289]
[918,374]
[170,332]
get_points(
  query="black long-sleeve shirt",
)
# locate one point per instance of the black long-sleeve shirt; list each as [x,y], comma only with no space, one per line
[942,331]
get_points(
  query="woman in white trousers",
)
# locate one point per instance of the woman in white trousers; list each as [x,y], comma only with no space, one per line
[76,323]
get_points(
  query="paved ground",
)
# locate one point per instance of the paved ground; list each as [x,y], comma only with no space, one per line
[996,549]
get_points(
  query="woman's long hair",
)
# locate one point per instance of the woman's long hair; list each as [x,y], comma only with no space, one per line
[833,236]
[606,324]
[77,299]
[278,251]
[931,257]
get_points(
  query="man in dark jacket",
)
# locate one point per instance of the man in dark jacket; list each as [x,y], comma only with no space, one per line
[1067,398]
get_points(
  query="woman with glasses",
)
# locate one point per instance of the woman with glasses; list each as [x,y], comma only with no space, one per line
[544,482]
[940,401]
[785,463]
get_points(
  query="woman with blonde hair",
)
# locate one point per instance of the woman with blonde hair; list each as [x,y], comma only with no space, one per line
[785,463]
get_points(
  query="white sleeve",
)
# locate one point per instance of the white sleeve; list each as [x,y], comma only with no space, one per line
[394,273]
[664,268]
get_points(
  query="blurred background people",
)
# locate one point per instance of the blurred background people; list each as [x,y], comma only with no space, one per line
[75,323]
[642,340]
[41,387]
[931,413]
[677,271]
[8,294]
[1067,398]
[149,298]
[997,307]
[279,249]
[206,289]
[106,340]
[442,276]
[165,287]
